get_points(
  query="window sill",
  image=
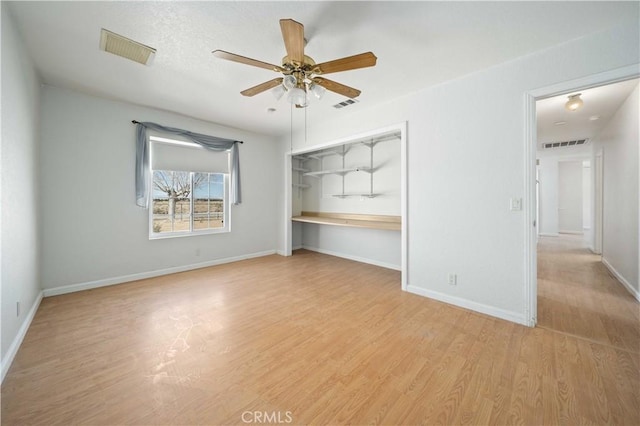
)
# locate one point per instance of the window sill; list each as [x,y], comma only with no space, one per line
[187,234]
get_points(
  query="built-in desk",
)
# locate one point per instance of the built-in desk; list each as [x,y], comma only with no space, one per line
[391,223]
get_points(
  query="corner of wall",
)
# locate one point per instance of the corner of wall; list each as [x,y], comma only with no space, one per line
[19,228]
[7,358]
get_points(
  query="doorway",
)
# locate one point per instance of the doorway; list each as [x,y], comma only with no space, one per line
[577,293]
[534,202]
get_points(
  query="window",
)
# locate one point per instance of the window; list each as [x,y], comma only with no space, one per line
[187,202]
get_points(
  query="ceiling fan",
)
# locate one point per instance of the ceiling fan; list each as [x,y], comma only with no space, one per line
[301,75]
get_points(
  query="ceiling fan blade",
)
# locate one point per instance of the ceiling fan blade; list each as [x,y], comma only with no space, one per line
[338,88]
[362,60]
[293,36]
[244,60]
[262,87]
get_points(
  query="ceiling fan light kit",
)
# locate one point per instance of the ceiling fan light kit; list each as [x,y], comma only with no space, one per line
[278,91]
[289,82]
[301,75]
[574,103]
[297,96]
[317,90]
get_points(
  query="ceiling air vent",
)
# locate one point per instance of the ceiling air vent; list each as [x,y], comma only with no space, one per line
[563,144]
[125,47]
[345,103]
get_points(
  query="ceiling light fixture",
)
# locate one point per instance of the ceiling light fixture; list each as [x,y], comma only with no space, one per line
[289,82]
[574,102]
[278,91]
[317,90]
[299,90]
[297,96]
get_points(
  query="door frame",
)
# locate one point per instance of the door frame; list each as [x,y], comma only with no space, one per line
[598,201]
[530,232]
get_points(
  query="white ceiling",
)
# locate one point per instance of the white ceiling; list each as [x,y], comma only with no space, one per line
[418,44]
[600,102]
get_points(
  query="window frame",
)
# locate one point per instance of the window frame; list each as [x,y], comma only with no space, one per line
[226,228]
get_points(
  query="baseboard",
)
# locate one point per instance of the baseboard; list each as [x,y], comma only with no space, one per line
[356,258]
[72,288]
[297,247]
[468,304]
[548,234]
[17,341]
[571,232]
[635,293]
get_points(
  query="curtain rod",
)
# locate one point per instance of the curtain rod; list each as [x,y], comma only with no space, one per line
[137,122]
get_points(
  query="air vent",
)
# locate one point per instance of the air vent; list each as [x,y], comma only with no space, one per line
[551,145]
[125,47]
[345,103]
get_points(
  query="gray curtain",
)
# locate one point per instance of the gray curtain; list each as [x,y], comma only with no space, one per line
[210,142]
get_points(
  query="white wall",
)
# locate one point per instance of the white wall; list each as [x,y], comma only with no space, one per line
[20,279]
[466,148]
[92,229]
[375,246]
[570,197]
[619,141]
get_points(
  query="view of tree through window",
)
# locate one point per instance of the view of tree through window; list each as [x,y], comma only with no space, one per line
[186,202]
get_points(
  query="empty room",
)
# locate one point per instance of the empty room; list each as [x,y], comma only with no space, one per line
[281,212]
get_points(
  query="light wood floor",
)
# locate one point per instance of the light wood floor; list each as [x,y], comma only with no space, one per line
[314,338]
[579,296]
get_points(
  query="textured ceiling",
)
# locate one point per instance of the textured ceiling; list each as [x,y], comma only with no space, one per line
[418,44]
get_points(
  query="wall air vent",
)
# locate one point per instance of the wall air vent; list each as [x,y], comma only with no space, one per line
[345,103]
[125,47]
[563,144]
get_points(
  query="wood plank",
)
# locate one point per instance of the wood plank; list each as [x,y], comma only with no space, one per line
[578,296]
[391,223]
[354,216]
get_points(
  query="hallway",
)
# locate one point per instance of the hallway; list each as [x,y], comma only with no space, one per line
[578,296]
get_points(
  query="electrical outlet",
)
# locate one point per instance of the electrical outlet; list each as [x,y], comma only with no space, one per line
[17,309]
[452,279]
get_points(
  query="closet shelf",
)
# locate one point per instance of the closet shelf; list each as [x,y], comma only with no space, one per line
[302,158]
[321,155]
[339,171]
[368,195]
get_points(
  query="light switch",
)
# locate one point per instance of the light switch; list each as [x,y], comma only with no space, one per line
[515,204]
